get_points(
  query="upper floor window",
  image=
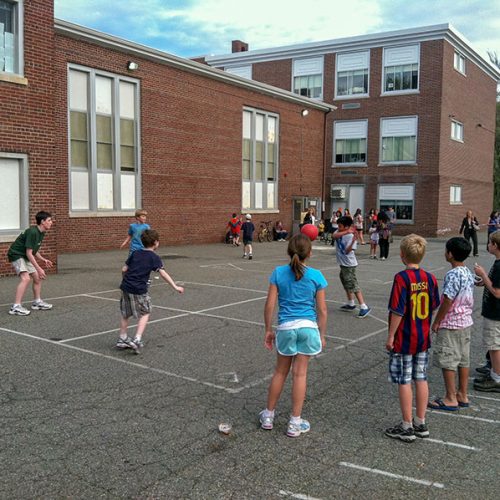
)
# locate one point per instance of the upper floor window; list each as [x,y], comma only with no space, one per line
[399,140]
[401,66]
[259,160]
[455,195]
[350,142]
[352,72]
[243,71]
[308,77]
[11,36]
[457,131]
[104,138]
[459,62]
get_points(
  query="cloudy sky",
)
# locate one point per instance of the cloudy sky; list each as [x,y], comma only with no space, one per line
[200,27]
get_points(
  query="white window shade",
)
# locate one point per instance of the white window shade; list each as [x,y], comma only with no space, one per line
[396,192]
[243,71]
[355,129]
[399,127]
[10,194]
[353,61]
[103,95]
[395,56]
[127,100]
[78,89]
[311,66]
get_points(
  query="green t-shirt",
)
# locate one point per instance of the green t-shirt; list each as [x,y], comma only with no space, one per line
[29,238]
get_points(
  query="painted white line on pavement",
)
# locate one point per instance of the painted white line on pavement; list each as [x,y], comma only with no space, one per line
[225,286]
[359,339]
[424,482]
[483,397]
[449,443]
[300,496]
[456,414]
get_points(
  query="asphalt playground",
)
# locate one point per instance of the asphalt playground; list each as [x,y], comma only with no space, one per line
[82,420]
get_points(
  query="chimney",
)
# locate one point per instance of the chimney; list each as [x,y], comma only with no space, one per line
[238,46]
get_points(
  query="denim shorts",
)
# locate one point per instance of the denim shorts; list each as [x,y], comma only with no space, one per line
[305,340]
[403,368]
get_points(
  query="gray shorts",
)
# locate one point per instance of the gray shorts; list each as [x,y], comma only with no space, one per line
[348,279]
[23,265]
[491,334]
[451,349]
[135,305]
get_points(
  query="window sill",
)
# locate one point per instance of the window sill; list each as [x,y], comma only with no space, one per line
[457,140]
[460,72]
[398,164]
[13,78]
[399,92]
[9,238]
[111,213]
[456,203]
[259,211]
[344,165]
[351,97]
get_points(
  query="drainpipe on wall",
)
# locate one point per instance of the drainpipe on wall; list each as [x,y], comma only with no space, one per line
[323,190]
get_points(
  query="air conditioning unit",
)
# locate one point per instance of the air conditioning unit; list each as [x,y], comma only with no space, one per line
[338,193]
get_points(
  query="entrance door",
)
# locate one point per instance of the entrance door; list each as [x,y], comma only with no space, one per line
[356,199]
[351,196]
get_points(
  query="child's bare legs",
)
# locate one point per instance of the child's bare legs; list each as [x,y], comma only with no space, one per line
[37,286]
[123,327]
[450,399]
[360,236]
[422,398]
[406,401]
[463,382]
[373,250]
[141,326]
[248,249]
[359,296]
[299,371]
[283,364]
[24,281]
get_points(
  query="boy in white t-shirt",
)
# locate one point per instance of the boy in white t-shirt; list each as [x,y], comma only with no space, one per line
[345,239]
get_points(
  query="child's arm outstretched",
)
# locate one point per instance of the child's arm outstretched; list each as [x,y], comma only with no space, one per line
[272,296]
[321,310]
[442,312]
[126,242]
[394,321]
[166,277]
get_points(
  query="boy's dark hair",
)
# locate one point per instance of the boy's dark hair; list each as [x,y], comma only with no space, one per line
[345,220]
[459,247]
[41,216]
[149,237]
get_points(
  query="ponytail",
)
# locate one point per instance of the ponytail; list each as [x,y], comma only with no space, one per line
[297,267]
[299,248]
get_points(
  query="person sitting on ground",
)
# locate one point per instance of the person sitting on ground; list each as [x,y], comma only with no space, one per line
[281,234]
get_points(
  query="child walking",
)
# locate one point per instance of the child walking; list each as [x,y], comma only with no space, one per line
[248,229]
[452,326]
[374,236]
[135,230]
[346,244]
[302,313]
[135,300]
[414,297]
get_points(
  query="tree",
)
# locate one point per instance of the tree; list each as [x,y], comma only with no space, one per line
[495,59]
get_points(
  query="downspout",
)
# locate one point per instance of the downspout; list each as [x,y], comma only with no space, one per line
[323,190]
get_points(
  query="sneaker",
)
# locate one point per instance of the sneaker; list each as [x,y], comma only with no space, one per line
[250,257]
[484,370]
[40,305]
[397,432]
[244,256]
[295,430]
[487,385]
[19,310]
[364,312]
[347,307]
[124,343]
[265,422]
[136,345]
[421,431]
[382,258]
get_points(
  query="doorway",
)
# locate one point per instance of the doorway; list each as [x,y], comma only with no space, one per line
[300,205]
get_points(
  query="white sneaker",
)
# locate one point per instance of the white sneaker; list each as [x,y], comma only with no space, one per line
[40,305]
[19,310]
[266,422]
[295,430]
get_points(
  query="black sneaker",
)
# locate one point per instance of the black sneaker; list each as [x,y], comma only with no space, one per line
[250,257]
[397,432]
[484,370]
[421,431]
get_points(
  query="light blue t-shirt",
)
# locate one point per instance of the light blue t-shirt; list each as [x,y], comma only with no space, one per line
[135,231]
[297,299]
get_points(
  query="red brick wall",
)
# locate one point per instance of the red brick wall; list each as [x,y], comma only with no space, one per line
[27,118]
[277,73]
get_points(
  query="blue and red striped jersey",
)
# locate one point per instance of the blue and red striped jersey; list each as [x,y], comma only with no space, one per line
[414,296]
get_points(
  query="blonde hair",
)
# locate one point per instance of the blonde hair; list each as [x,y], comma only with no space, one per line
[413,248]
[495,238]
[299,248]
[140,212]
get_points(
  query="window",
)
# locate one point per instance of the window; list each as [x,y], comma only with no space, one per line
[259,160]
[457,131]
[401,198]
[455,195]
[243,71]
[399,140]
[401,65]
[350,142]
[352,74]
[14,215]
[459,62]
[11,36]
[103,136]
[308,77]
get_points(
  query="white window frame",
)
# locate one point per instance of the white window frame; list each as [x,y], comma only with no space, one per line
[117,172]
[18,69]
[385,64]
[22,159]
[352,67]
[242,71]
[456,194]
[339,134]
[297,73]
[459,63]
[383,135]
[457,131]
[394,201]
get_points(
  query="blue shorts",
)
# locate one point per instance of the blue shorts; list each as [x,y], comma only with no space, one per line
[403,368]
[298,341]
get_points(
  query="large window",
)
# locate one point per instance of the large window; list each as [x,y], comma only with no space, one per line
[399,140]
[352,71]
[401,66]
[401,198]
[260,160]
[103,132]
[11,36]
[308,77]
[350,142]
[13,193]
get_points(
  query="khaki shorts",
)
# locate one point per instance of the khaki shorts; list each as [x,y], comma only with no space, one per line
[491,334]
[23,265]
[348,279]
[451,348]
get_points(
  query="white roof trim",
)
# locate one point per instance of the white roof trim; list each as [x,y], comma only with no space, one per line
[406,36]
[78,32]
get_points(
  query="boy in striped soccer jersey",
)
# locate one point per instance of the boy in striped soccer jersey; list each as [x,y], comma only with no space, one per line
[413,299]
